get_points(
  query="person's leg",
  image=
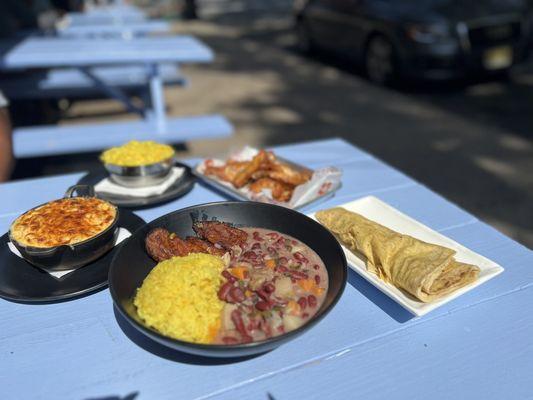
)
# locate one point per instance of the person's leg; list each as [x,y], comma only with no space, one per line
[6,146]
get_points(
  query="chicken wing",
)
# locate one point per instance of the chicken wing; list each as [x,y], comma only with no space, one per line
[280,191]
[285,173]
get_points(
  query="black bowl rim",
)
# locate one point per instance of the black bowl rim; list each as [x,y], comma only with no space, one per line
[220,348]
[71,246]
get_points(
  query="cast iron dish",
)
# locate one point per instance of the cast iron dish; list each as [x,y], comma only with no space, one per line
[142,175]
[65,257]
[132,264]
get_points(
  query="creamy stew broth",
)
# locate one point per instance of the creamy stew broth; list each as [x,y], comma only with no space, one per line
[272,286]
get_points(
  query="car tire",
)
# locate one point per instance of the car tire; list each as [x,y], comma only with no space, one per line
[379,60]
[304,41]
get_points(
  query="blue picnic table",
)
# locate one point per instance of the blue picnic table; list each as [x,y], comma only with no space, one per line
[85,54]
[478,346]
[112,14]
[129,30]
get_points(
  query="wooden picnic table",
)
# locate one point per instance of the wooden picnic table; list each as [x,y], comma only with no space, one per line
[478,346]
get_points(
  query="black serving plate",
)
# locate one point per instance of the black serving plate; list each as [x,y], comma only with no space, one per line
[20,281]
[181,187]
[131,264]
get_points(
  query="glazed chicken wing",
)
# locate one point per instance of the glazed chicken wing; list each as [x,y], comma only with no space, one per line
[220,233]
[228,171]
[280,191]
[284,173]
[261,159]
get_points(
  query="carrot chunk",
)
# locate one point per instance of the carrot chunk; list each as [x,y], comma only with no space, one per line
[239,272]
[270,263]
[308,285]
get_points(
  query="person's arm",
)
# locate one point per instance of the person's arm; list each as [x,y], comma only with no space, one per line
[7,160]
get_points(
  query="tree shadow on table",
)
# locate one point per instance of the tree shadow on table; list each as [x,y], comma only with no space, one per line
[393,309]
[170,354]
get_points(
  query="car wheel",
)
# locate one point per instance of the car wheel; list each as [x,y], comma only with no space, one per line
[379,60]
[304,41]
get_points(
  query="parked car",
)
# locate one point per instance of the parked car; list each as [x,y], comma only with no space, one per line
[435,39]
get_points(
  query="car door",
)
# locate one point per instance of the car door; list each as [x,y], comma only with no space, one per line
[322,20]
[352,23]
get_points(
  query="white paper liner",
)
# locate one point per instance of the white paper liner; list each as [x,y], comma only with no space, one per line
[323,181]
[106,185]
[123,234]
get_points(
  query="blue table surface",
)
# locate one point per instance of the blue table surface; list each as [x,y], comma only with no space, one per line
[141,27]
[477,346]
[50,52]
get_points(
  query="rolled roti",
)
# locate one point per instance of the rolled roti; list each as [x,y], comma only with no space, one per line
[426,271]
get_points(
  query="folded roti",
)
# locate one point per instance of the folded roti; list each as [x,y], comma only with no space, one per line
[426,271]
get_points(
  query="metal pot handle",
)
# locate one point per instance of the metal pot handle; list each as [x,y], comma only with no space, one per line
[87,190]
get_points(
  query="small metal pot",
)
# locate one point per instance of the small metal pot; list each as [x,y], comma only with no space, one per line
[142,175]
[65,257]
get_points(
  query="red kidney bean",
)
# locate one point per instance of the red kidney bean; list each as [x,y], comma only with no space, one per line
[300,257]
[294,242]
[237,294]
[311,300]
[250,254]
[282,268]
[316,267]
[271,249]
[297,274]
[262,305]
[317,279]
[283,260]
[236,318]
[280,242]
[256,246]
[257,236]
[264,295]
[230,340]
[302,302]
[226,274]
[269,287]
[224,291]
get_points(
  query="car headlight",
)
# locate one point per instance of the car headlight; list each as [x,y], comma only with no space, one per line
[428,33]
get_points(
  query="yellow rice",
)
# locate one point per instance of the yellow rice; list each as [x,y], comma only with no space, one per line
[135,153]
[179,297]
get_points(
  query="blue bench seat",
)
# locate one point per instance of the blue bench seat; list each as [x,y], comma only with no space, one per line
[73,83]
[54,140]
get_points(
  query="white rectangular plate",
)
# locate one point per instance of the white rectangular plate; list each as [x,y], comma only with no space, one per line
[378,211]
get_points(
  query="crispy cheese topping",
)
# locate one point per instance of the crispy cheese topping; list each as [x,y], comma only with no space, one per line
[65,221]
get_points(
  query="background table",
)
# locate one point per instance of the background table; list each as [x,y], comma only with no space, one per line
[85,53]
[478,346]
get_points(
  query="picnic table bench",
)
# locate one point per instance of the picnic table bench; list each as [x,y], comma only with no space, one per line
[73,83]
[477,346]
[87,53]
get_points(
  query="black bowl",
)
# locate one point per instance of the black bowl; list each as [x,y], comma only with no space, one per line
[66,257]
[132,264]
